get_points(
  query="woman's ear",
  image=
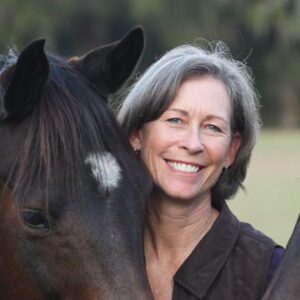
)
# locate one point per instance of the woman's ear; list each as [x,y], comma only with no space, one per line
[234,148]
[135,140]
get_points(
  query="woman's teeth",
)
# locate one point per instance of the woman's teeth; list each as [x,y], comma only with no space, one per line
[186,168]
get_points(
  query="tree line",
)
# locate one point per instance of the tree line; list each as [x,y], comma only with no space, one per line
[265,33]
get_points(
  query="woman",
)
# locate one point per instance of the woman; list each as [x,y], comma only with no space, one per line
[193,118]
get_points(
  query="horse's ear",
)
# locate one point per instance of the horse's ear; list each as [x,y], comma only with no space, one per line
[109,66]
[29,77]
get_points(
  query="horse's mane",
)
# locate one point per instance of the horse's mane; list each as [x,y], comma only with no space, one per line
[69,121]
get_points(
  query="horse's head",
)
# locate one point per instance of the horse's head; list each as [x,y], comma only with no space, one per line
[72,194]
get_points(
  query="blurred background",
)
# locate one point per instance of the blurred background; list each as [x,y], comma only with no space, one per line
[265,33]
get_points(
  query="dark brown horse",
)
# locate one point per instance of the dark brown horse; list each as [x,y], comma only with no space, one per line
[72,193]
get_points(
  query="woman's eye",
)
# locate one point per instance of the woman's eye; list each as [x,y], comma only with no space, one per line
[214,128]
[175,121]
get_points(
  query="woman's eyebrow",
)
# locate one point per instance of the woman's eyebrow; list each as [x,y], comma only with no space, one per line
[182,111]
[212,116]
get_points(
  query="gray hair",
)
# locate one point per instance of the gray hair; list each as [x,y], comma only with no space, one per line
[153,93]
[9,60]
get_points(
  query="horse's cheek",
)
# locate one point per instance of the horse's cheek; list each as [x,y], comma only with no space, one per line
[12,261]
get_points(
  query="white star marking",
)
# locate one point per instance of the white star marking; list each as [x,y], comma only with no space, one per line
[105,169]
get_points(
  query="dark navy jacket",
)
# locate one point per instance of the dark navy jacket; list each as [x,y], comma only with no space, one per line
[231,262]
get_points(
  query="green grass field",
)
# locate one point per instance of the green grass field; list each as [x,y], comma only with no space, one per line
[271,202]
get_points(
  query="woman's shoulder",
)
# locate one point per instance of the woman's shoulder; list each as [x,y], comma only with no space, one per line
[254,235]
[259,246]
[247,233]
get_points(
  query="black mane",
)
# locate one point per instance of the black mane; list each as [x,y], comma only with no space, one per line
[70,120]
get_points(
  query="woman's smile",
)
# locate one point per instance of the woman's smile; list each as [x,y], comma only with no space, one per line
[184,167]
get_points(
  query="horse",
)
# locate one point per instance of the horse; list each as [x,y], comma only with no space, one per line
[72,191]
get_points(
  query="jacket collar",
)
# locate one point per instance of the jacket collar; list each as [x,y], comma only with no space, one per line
[200,269]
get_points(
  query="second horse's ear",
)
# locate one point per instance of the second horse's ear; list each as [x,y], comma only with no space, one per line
[28,79]
[109,66]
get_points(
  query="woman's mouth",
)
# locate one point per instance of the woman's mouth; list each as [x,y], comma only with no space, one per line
[184,167]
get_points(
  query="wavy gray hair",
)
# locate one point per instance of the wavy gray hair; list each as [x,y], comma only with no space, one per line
[153,93]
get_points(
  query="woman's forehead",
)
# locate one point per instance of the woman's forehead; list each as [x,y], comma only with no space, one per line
[202,94]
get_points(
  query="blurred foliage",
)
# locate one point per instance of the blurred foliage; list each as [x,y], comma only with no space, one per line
[271,199]
[265,33]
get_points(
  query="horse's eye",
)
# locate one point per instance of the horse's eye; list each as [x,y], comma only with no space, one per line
[35,219]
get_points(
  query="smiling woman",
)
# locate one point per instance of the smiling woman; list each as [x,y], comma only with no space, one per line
[188,146]
[193,117]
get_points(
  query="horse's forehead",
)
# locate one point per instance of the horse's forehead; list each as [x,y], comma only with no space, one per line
[105,169]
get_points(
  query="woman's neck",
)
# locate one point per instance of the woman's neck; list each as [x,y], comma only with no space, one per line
[172,231]
[175,228]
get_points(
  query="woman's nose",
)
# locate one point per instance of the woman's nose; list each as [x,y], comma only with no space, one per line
[192,141]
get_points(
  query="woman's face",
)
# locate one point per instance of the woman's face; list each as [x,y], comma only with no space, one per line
[186,149]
